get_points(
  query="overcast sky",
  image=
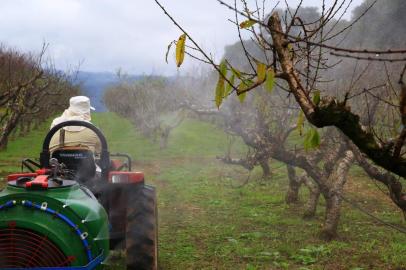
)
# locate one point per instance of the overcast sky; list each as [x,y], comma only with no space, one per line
[104,35]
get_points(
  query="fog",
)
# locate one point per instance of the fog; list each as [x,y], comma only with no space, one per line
[283,148]
[106,35]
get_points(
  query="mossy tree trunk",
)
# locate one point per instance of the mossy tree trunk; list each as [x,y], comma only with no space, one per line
[292,195]
[333,198]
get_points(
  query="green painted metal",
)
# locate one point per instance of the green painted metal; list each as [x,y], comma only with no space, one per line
[79,206]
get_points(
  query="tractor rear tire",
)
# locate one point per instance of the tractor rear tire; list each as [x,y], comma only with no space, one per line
[142,230]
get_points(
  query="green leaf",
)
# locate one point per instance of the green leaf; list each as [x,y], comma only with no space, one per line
[242,96]
[236,72]
[223,68]
[315,141]
[312,139]
[247,24]
[300,123]
[220,88]
[270,80]
[291,50]
[316,97]
[229,86]
[261,72]
[246,83]
[180,50]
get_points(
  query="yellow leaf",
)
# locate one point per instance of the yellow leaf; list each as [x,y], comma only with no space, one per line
[247,23]
[270,80]
[261,70]
[180,50]
[219,91]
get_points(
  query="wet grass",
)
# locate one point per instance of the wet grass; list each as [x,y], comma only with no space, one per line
[207,222]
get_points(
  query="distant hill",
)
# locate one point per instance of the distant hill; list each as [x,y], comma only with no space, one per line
[94,85]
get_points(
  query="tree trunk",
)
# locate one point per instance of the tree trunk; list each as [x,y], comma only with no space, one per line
[292,196]
[10,124]
[3,143]
[332,217]
[13,135]
[23,128]
[266,170]
[37,124]
[333,198]
[314,195]
[163,140]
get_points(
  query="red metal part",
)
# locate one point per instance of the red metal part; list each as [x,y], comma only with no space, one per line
[43,171]
[41,181]
[15,176]
[21,248]
[126,177]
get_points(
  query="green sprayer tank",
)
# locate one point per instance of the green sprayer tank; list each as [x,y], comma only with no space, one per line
[65,214]
[63,226]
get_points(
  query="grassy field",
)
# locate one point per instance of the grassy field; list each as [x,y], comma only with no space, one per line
[207,222]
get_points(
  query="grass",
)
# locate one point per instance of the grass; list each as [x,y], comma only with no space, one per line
[207,222]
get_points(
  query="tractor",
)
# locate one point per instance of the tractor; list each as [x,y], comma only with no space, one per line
[73,208]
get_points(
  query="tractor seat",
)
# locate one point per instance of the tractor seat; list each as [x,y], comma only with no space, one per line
[78,159]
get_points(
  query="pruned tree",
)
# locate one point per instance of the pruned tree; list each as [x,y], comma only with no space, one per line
[263,124]
[29,92]
[304,57]
[151,104]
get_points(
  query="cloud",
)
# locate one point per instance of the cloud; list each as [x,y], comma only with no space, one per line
[106,34]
